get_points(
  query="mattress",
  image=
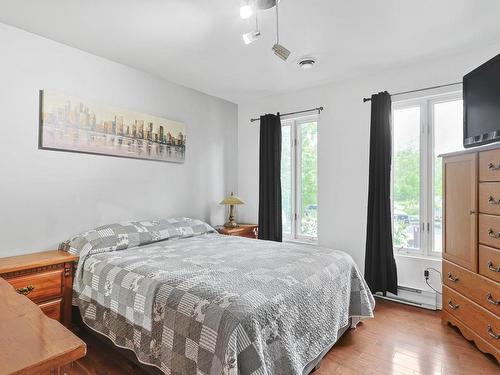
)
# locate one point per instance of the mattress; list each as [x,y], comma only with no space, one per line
[213,304]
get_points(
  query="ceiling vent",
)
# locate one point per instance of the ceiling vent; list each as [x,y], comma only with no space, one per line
[307,62]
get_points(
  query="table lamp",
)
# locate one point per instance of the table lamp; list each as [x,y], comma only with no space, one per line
[231,201]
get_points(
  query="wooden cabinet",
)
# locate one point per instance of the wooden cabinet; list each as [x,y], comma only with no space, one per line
[460,210]
[244,230]
[471,246]
[46,278]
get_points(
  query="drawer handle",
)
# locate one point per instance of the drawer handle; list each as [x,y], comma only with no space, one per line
[26,290]
[493,334]
[493,167]
[452,305]
[490,299]
[491,267]
[492,200]
[492,233]
[452,278]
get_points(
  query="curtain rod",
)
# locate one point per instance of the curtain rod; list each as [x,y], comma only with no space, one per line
[318,109]
[417,90]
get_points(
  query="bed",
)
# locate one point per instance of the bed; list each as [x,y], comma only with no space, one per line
[187,300]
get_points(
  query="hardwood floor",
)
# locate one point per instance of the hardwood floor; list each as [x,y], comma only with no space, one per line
[405,340]
[400,340]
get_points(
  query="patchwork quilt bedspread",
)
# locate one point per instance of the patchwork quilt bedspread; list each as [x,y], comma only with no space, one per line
[204,303]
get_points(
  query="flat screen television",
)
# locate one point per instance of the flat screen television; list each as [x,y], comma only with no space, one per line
[481,91]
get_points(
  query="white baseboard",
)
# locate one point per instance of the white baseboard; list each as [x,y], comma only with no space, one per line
[414,297]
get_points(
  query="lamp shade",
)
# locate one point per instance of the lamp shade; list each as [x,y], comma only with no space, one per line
[232,199]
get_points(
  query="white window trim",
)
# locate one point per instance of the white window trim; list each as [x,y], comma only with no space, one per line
[427,155]
[295,123]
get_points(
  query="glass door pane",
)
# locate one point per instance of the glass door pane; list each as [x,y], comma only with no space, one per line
[448,137]
[286,179]
[308,215]
[406,179]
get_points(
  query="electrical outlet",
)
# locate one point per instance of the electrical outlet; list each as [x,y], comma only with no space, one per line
[426,274]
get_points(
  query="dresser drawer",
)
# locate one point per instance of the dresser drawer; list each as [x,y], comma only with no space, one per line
[481,290]
[489,262]
[489,230]
[52,309]
[489,198]
[481,321]
[40,287]
[489,165]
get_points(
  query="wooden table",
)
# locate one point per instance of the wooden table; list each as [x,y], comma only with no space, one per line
[31,342]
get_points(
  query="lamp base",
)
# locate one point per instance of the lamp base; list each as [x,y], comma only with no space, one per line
[231,224]
[230,221]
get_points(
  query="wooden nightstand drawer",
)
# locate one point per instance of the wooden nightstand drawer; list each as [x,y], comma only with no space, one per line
[52,309]
[39,287]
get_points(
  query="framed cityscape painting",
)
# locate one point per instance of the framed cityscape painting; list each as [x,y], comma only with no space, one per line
[69,123]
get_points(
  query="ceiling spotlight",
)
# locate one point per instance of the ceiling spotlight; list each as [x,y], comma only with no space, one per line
[251,37]
[246,11]
[278,49]
[281,51]
[307,62]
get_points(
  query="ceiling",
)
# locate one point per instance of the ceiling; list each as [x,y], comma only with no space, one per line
[197,43]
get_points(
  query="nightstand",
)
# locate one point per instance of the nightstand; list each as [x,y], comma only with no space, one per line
[244,230]
[46,278]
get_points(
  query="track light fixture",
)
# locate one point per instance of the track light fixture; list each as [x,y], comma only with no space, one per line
[278,49]
[251,6]
[252,36]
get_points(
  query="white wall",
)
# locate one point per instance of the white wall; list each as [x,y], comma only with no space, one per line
[343,150]
[47,196]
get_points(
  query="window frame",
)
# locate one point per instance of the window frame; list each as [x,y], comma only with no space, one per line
[296,181]
[427,169]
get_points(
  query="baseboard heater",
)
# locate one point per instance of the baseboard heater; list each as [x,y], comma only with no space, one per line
[414,297]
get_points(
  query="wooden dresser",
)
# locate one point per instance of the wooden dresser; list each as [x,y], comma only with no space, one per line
[471,245]
[46,278]
[244,230]
[30,342]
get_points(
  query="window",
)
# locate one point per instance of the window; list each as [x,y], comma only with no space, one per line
[422,130]
[299,179]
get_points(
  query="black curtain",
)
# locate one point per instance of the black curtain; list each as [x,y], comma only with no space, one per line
[270,227]
[380,266]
